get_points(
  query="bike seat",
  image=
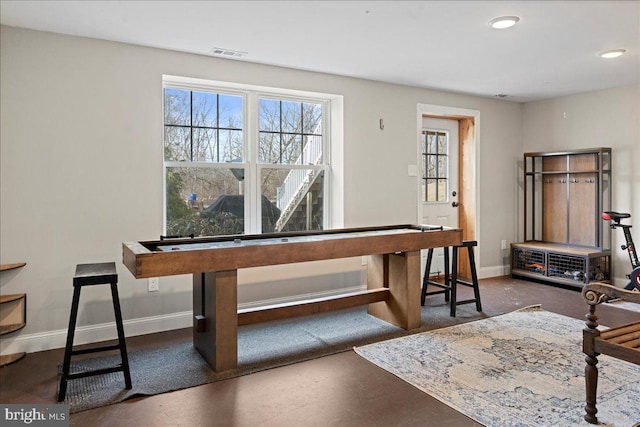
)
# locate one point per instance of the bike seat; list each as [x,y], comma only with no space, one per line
[615,216]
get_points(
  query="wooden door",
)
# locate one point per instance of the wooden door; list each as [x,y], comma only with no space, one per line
[582,206]
[440,208]
[583,209]
[554,199]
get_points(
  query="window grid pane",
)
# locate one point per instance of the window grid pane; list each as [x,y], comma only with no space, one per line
[292,199]
[435,166]
[193,122]
[203,202]
[295,126]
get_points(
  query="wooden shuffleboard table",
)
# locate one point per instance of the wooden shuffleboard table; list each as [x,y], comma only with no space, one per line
[393,275]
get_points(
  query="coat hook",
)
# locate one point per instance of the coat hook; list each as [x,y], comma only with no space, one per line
[381,124]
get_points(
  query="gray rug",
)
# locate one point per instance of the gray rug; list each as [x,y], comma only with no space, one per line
[524,368]
[260,347]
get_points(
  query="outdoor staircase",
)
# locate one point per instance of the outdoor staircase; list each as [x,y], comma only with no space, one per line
[300,196]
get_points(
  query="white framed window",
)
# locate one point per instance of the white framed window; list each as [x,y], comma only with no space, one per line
[435,166]
[240,159]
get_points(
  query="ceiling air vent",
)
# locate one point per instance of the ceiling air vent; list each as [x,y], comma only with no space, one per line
[218,51]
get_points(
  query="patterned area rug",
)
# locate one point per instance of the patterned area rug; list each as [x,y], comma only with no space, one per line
[260,346]
[524,368]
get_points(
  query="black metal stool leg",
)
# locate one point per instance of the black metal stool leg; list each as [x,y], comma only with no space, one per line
[447,281]
[426,282]
[474,279]
[121,339]
[454,281]
[66,364]
[425,279]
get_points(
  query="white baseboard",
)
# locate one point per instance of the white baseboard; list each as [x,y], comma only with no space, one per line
[95,333]
[495,271]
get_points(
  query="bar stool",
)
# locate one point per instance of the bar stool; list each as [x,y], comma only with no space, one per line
[88,275]
[469,244]
[450,286]
[444,288]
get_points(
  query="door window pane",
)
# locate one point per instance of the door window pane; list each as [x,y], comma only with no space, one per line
[436,166]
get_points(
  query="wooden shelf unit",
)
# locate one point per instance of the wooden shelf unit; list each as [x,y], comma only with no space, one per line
[565,238]
[13,315]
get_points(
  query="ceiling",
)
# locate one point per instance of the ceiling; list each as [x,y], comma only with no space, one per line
[444,45]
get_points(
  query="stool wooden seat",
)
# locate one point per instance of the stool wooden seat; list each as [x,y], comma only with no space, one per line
[89,275]
[450,285]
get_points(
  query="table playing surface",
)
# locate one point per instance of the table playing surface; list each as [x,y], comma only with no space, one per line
[264,240]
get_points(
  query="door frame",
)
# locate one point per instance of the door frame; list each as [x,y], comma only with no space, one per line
[468,165]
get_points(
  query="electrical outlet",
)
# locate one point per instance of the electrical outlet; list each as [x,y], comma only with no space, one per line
[503,244]
[153,285]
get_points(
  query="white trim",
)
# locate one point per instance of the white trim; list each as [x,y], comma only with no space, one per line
[189,83]
[95,333]
[494,271]
[454,112]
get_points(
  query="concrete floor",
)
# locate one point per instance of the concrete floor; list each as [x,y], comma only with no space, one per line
[337,390]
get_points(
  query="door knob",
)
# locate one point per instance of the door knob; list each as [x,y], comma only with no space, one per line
[455,204]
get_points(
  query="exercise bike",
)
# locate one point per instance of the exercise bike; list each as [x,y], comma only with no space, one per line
[634,276]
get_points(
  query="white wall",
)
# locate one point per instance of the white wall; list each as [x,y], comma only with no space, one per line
[81,172]
[608,118]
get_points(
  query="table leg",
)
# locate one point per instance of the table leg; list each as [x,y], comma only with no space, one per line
[401,274]
[215,324]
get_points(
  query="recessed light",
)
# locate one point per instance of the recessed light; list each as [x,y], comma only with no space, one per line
[612,53]
[503,22]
